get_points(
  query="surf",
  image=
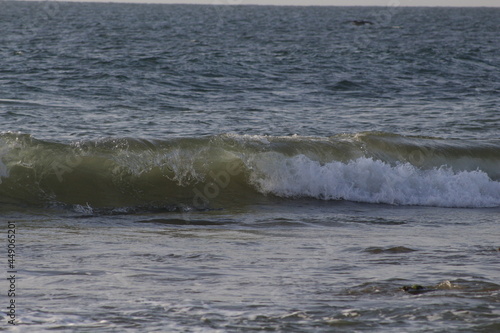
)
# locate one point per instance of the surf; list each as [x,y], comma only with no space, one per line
[224,170]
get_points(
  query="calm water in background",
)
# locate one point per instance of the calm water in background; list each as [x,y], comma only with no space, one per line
[238,168]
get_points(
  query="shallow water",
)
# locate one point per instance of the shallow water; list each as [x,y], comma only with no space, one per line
[296,266]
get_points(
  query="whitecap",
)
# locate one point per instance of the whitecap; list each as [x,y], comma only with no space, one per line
[372,181]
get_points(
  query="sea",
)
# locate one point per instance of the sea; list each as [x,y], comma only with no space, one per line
[240,168]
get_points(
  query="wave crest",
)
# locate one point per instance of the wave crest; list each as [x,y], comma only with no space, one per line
[230,169]
[373,181]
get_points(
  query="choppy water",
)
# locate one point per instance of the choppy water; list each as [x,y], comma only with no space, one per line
[237,168]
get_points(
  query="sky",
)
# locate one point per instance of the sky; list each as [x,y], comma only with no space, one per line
[394,3]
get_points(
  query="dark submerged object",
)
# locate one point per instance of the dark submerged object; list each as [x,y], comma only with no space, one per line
[416,289]
[361,22]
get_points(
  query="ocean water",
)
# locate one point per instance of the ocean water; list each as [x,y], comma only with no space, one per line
[189,168]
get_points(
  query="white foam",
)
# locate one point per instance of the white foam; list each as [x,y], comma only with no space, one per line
[87,209]
[264,139]
[373,181]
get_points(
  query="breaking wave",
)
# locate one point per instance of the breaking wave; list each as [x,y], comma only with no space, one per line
[231,170]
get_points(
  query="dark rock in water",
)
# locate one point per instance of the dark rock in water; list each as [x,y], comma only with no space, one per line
[416,289]
[361,22]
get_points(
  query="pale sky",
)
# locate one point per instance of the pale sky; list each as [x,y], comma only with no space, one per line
[392,3]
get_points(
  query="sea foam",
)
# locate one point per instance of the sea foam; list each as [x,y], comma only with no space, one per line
[373,181]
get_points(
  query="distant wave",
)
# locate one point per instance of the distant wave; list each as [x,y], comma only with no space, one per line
[230,169]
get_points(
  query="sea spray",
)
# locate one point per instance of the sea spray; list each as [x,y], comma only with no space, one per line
[373,181]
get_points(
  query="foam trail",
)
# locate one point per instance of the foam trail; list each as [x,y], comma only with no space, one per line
[373,181]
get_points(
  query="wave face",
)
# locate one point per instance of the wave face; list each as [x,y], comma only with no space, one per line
[233,170]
